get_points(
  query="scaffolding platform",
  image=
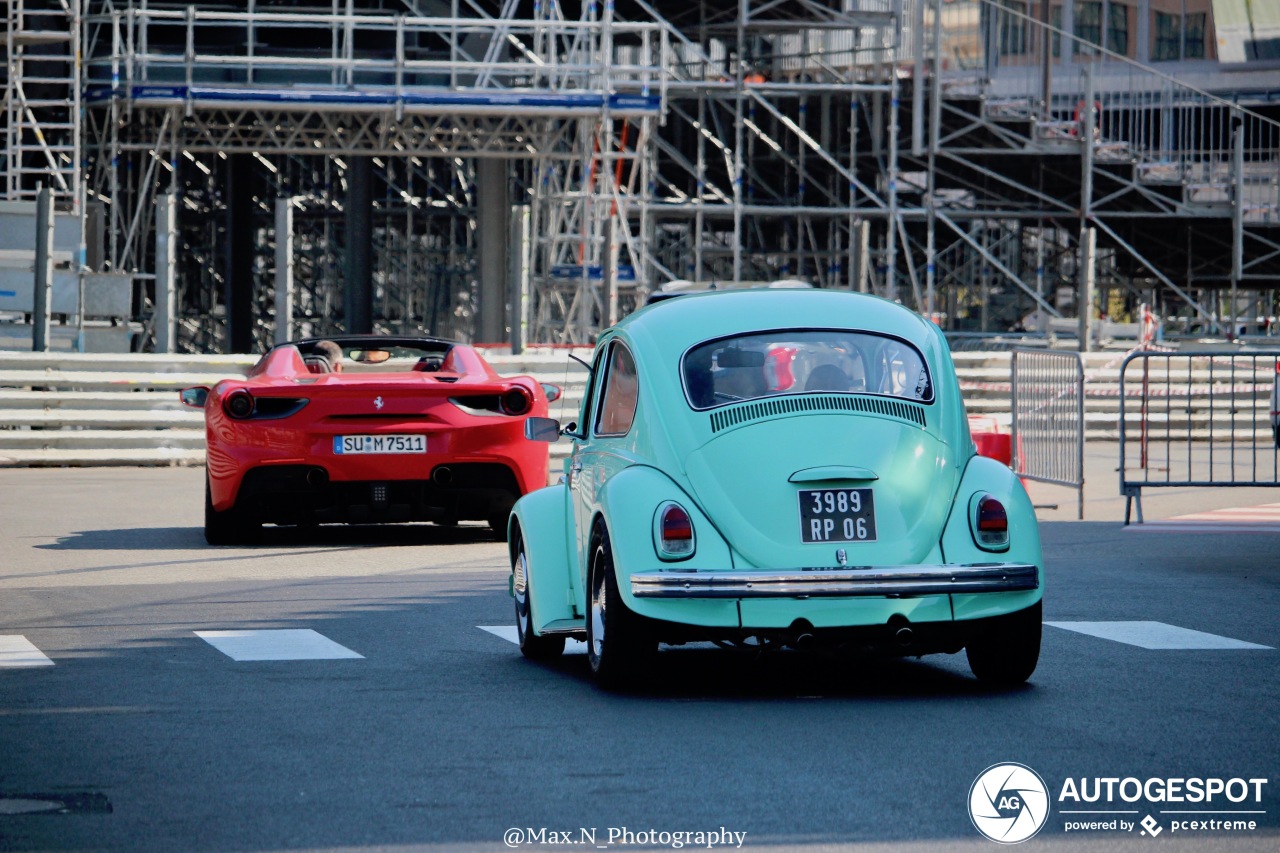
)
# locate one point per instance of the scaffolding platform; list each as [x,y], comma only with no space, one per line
[421,102]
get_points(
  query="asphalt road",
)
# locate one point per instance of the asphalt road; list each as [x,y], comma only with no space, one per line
[146,737]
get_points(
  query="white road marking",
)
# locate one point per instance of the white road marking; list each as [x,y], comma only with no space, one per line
[1155,635]
[283,644]
[1248,519]
[509,633]
[17,650]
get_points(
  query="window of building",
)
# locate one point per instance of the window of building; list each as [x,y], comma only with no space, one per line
[1178,37]
[1013,29]
[1118,29]
[1055,38]
[1088,25]
[1167,43]
[1194,29]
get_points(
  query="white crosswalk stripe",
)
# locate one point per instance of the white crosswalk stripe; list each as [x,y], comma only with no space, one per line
[509,633]
[1247,519]
[281,644]
[17,651]
[1154,635]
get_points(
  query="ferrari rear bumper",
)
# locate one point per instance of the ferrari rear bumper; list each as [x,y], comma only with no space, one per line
[292,494]
[837,583]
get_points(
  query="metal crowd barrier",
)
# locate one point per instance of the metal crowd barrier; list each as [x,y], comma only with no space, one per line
[1047,390]
[1202,419]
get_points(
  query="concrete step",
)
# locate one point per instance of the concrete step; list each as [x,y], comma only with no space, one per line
[111,419]
[100,380]
[11,400]
[101,439]
[100,458]
[221,365]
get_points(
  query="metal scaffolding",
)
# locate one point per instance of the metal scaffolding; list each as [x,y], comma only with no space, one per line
[988,168]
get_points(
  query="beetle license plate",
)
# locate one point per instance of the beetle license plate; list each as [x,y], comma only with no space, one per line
[837,515]
[352,444]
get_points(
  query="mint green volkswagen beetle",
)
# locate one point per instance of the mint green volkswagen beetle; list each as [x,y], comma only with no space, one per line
[772,469]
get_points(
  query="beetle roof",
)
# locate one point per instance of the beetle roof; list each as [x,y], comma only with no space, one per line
[680,323]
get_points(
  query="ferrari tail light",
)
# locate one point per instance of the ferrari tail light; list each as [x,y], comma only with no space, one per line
[516,401]
[990,524]
[239,404]
[673,532]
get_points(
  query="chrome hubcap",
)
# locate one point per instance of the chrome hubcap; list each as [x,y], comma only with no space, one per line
[523,622]
[597,614]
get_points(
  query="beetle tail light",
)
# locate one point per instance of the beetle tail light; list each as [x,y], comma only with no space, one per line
[239,404]
[674,531]
[991,524]
[516,401]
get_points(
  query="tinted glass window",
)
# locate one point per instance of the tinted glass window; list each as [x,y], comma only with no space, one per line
[618,402]
[767,364]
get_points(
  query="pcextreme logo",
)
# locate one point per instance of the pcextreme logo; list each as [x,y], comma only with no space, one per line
[1008,803]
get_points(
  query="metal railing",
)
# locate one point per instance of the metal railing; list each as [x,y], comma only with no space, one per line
[141,46]
[1047,436]
[1228,440]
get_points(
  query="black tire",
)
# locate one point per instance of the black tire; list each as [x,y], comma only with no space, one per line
[498,524]
[229,527]
[1007,653]
[531,646]
[620,648]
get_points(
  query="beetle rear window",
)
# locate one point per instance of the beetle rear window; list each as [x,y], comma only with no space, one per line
[767,364]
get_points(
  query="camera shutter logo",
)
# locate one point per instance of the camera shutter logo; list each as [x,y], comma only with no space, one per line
[1008,803]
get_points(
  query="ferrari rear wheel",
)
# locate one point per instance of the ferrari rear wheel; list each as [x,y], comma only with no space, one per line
[1007,654]
[228,527]
[531,646]
[619,646]
[499,525]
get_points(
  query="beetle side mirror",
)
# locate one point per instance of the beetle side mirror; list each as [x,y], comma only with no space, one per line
[542,429]
[194,397]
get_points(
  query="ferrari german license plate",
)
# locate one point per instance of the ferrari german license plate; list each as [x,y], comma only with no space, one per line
[837,515]
[353,444]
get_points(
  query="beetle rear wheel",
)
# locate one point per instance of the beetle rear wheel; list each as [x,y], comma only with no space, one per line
[619,646]
[532,646]
[1007,653]
[228,527]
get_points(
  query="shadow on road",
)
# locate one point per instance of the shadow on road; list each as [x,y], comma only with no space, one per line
[709,674]
[187,538]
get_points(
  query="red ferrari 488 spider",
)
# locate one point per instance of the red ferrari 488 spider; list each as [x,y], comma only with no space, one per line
[368,429]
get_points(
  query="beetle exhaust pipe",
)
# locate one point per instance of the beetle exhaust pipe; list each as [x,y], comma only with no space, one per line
[802,635]
[802,641]
[442,476]
[904,636]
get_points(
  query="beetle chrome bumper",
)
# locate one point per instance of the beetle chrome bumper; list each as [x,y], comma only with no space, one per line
[837,583]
